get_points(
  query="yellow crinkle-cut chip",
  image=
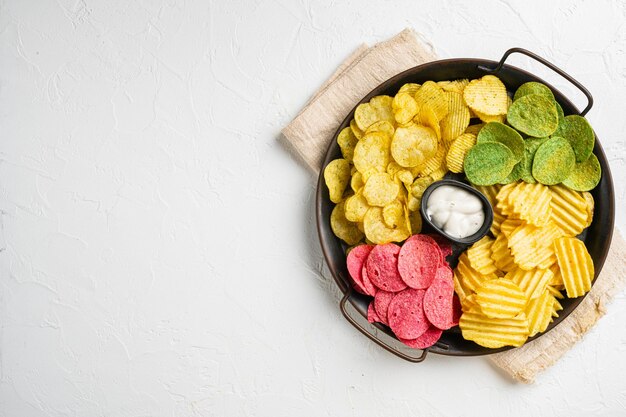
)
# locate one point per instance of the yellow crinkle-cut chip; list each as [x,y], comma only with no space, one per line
[493,332]
[458,150]
[556,307]
[457,119]
[501,254]
[531,246]
[455,86]
[569,210]
[479,256]
[468,276]
[426,116]
[557,278]
[507,227]
[469,304]
[500,298]
[489,191]
[410,88]
[498,219]
[487,96]
[474,129]
[461,289]
[530,202]
[576,266]
[430,95]
[532,282]
[437,161]
[539,313]
[555,292]
[590,205]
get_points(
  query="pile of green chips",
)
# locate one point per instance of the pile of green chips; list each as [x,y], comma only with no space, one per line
[539,144]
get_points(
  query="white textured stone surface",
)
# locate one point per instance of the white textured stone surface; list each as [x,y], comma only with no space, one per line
[159,253]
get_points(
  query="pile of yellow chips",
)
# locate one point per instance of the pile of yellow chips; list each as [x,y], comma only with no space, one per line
[397,146]
[509,286]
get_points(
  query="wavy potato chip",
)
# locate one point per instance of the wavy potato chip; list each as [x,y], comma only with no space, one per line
[430,95]
[427,117]
[531,203]
[500,118]
[553,161]
[534,115]
[413,145]
[531,246]
[501,254]
[474,129]
[468,276]
[493,332]
[342,227]
[539,313]
[380,189]
[532,282]
[488,163]
[410,88]
[585,176]
[577,269]
[486,96]
[479,256]
[590,207]
[498,132]
[458,151]
[455,86]
[457,119]
[500,298]
[578,132]
[337,177]
[569,210]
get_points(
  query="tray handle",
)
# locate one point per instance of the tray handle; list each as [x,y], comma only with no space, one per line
[547,64]
[367,331]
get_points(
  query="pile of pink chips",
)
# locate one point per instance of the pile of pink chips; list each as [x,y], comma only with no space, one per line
[412,286]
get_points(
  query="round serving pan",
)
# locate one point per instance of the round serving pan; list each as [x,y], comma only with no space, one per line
[597,238]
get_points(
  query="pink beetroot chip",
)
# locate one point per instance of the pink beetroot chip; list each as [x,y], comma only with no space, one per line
[406,314]
[382,268]
[444,245]
[356,258]
[427,339]
[381,304]
[438,300]
[370,289]
[456,310]
[418,261]
[372,316]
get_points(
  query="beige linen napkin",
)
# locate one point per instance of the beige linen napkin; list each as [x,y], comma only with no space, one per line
[311,131]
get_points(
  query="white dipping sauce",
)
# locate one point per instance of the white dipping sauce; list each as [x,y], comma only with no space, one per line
[456,211]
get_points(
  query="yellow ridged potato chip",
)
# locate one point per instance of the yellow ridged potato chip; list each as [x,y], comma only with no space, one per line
[539,313]
[569,210]
[457,119]
[426,116]
[507,227]
[501,118]
[382,126]
[377,231]
[342,227]
[380,189]
[531,202]
[500,298]
[458,150]
[461,289]
[437,161]
[371,153]
[590,206]
[501,254]
[532,282]
[556,307]
[498,219]
[337,177]
[439,173]
[468,276]
[404,107]
[456,86]
[557,278]
[479,256]
[412,146]
[410,88]
[474,129]
[531,246]
[487,96]
[575,264]
[430,95]
[393,214]
[469,304]
[493,332]
[489,191]
[356,207]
